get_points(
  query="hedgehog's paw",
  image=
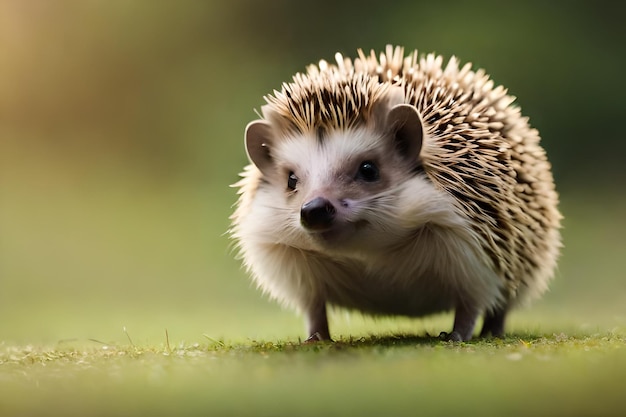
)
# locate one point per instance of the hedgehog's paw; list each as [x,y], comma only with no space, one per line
[315,338]
[451,337]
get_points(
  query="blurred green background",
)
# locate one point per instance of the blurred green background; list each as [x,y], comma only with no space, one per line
[121,128]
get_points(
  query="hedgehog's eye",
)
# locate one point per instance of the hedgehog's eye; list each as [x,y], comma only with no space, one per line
[368,171]
[292,180]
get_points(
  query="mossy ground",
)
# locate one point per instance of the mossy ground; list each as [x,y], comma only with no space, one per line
[525,374]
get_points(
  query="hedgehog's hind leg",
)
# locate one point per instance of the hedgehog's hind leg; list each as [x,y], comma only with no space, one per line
[494,322]
[464,322]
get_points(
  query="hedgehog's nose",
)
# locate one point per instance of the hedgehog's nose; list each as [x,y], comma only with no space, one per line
[317,214]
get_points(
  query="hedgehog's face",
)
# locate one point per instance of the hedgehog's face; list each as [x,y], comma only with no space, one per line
[336,189]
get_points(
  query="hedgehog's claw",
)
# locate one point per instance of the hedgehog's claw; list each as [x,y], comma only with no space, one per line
[314,338]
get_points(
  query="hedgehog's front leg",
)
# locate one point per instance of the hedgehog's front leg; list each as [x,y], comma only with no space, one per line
[317,322]
[464,322]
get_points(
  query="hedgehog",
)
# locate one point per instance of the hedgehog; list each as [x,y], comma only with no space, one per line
[396,185]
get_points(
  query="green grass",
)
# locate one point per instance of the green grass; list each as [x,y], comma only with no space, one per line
[558,375]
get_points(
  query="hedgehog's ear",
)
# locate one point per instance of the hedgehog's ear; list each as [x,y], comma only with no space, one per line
[393,116]
[406,126]
[258,140]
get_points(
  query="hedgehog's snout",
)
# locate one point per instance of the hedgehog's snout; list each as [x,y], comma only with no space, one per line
[317,214]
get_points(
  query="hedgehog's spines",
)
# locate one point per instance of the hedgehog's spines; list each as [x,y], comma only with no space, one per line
[478,147]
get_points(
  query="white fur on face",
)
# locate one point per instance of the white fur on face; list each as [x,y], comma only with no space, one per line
[327,168]
[320,164]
